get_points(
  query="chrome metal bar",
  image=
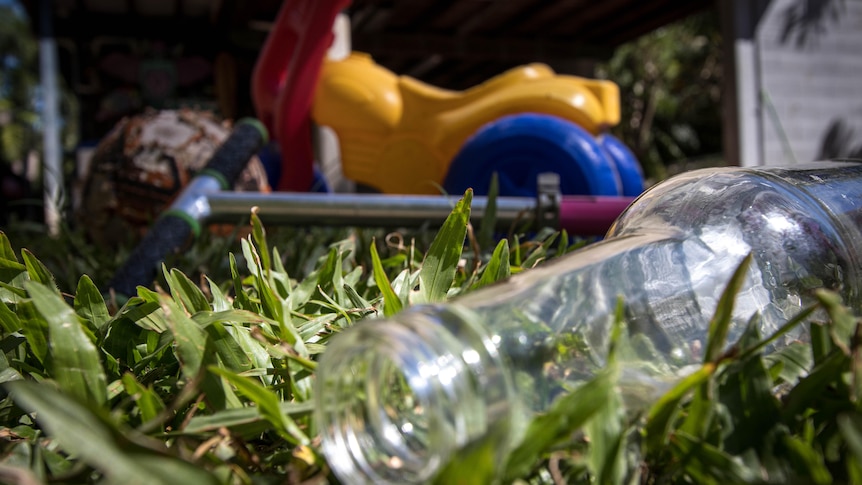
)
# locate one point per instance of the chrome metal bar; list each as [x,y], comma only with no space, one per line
[358,209]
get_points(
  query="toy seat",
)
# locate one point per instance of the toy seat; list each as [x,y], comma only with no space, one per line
[416,92]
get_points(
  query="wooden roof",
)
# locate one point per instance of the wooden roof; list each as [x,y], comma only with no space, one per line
[450,43]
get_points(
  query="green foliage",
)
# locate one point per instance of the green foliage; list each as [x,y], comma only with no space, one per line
[19,77]
[441,261]
[670,87]
[19,90]
[211,382]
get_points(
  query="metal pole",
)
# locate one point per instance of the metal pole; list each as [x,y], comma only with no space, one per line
[356,209]
[52,177]
[585,215]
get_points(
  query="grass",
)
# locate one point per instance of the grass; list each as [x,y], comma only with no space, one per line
[207,376]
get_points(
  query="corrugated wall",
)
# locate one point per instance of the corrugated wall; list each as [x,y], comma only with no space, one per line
[809,65]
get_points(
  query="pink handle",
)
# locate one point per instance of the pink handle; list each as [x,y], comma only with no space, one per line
[591,215]
[285,78]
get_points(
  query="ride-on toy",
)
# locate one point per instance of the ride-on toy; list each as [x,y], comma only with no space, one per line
[401,136]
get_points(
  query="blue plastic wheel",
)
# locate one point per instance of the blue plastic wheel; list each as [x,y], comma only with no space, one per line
[520,147]
[631,174]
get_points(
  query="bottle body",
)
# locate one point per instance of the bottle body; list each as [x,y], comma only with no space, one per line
[505,352]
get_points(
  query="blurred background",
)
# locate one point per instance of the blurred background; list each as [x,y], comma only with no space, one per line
[702,82]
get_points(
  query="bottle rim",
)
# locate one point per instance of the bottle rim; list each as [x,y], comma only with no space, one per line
[396,399]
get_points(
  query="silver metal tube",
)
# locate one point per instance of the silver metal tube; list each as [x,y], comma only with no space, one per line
[52,167]
[194,199]
[358,209]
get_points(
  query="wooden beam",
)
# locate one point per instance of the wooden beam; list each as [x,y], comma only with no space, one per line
[503,49]
[494,19]
[594,13]
[407,15]
[424,66]
[550,14]
[457,13]
[91,25]
[645,18]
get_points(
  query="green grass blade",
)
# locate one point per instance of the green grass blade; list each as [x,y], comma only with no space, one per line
[476,463]
[806,460]
[37,271]
[7,373]
[489,219]
[241,299]
[190,340]
[747,385]
[563,246]
[231,315]
[391,302]
[279,276]
[850,426]
[661,415]
[704,463]
[719,325]
[89,303]
[194,350]
[75,361]
[567,415]
[357,300]
[9,321]
[267,404]
[11,292]
[34,328]
[149,403]
[186,293]
[12,273]
[271,304]
[246,421]
[842,322]
[811,387]
[790,364]
[258,234]
[540,251]
[794,322]
[101,444]
[606,432]
[331,277]
[220,301]
[254,351]
[230,352]
[702,410]
[147,314]
[515,250]
[6,251]
[497,268]
[441,261]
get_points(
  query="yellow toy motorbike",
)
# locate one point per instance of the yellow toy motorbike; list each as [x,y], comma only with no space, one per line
[399,135]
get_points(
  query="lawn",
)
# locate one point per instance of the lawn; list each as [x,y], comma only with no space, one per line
[207,375]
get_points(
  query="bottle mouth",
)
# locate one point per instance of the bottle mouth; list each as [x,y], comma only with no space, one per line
[397,398]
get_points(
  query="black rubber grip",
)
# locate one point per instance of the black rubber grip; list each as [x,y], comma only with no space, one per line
[174,228]
[232,156]
[169,234]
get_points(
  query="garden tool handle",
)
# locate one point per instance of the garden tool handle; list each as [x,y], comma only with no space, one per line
[174,228]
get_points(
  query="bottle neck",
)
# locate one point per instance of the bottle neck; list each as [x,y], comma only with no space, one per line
[399,397]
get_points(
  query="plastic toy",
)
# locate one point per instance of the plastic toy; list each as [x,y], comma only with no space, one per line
[284,80]
[399,135]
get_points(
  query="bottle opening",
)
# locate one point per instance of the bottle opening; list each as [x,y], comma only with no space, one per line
[397,399]
[377,411]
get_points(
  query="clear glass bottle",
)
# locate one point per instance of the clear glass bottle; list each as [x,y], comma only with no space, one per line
[398,397]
